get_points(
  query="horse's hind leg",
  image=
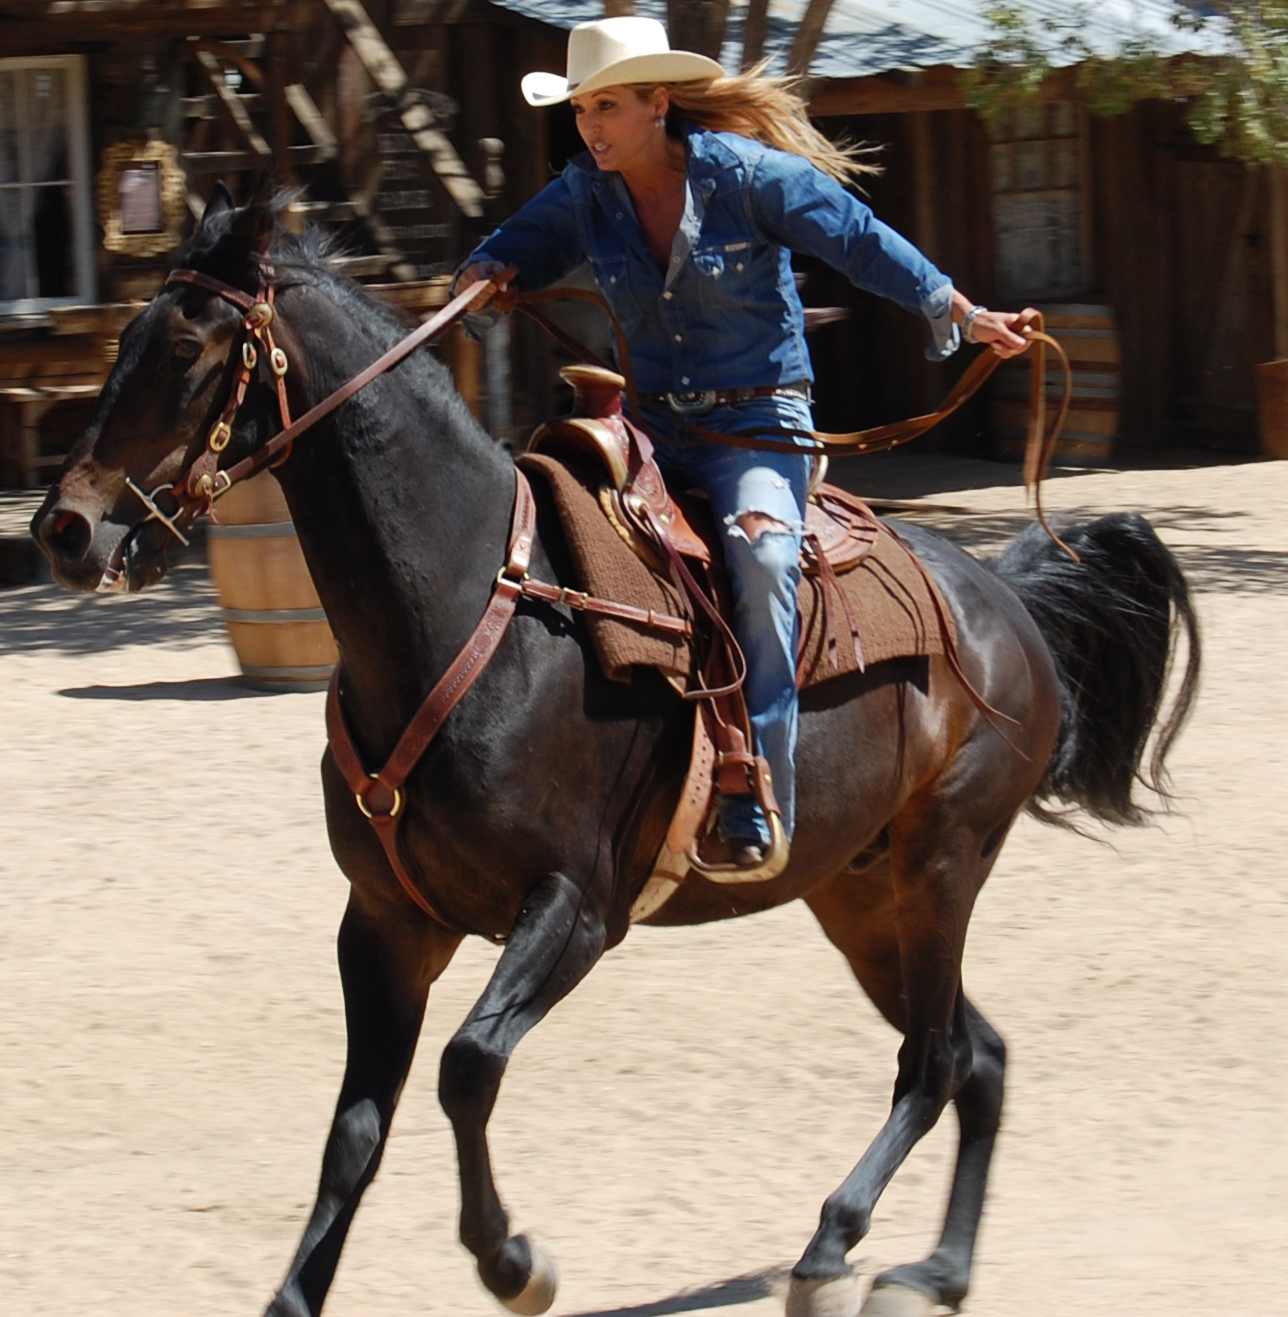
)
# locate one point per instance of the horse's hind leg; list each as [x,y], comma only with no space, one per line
[904,947]
[387,965]
[555,942]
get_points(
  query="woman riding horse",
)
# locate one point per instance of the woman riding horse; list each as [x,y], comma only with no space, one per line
[694,192]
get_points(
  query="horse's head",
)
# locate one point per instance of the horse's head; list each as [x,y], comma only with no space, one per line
[172,377]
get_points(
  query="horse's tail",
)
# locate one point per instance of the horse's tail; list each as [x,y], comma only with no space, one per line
[1112,622]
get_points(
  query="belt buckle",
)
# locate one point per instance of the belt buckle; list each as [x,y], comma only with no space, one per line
[691,404]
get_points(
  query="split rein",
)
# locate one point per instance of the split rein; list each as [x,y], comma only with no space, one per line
[1039,444]
[205,481]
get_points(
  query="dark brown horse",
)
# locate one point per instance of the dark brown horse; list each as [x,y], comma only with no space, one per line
[536,813]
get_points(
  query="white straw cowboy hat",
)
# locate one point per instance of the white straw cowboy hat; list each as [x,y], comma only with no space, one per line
[612,51]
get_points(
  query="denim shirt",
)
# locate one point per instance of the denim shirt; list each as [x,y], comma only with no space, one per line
[725,314]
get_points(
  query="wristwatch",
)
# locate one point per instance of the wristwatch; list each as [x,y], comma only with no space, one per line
[968,323]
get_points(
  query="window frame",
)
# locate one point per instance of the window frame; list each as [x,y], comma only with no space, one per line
[74,69]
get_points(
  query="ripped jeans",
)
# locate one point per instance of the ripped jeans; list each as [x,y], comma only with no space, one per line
[764,570]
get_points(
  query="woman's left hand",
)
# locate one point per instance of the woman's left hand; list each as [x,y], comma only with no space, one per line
[1003,330]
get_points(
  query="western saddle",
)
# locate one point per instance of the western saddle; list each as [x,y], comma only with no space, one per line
[675,535]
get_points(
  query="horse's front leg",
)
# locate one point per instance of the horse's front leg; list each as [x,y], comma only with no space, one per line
[555,942]
[388,960]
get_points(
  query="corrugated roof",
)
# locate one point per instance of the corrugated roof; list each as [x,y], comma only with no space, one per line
[875,36]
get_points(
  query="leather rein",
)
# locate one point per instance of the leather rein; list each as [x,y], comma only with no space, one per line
[381,795]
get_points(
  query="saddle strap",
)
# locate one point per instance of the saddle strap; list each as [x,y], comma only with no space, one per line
[380,795]
[587,603]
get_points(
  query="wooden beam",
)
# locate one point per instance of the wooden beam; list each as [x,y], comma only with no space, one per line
[934,88]
[315,124]
[214,162]
[754,30]
[809,32]
[388,75]
[923,183]
[231,102]
[75,27]
[1279,257]
[278,108]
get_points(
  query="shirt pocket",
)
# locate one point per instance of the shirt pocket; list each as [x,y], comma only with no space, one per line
[725,277]
[613,275]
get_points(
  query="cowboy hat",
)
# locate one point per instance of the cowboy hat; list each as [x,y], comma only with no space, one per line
[611,52]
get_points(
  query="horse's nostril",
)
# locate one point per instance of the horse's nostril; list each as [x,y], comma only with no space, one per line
[69,535]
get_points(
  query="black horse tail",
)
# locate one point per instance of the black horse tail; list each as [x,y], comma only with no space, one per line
[1112,621]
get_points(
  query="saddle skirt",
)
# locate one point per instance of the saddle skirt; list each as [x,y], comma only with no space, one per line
[866,599]
[624,527]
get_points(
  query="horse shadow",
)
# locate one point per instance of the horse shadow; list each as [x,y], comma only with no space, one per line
[730,1293]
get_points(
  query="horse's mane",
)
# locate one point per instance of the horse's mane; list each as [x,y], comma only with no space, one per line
[220,248]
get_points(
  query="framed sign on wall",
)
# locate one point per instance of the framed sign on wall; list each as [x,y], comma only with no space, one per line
[142,198]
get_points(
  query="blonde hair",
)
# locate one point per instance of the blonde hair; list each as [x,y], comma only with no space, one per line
[768,110]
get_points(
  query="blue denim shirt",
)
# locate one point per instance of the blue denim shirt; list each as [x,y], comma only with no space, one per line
[726,313]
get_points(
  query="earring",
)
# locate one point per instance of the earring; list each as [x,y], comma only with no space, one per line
[660,121]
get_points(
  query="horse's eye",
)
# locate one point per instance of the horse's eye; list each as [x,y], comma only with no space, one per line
[187,350]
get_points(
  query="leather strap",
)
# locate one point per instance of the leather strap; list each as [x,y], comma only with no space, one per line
[437,324]
[226,291]
[585,603]
[278,448]
[380,795]
[878,439]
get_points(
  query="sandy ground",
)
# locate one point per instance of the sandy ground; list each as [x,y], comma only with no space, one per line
[172,1040]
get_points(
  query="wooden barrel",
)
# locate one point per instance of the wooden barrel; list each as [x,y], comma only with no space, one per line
[1272,407]
[271,609]
[1088,333]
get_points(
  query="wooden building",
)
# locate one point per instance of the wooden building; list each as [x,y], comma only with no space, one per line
[117,117]
[401,124]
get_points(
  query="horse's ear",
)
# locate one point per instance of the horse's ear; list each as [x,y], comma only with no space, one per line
[252,228]
[221,200]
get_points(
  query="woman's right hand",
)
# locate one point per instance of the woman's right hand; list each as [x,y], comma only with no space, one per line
[480,272]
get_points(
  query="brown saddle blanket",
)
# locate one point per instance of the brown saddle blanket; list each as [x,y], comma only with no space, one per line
[896,609]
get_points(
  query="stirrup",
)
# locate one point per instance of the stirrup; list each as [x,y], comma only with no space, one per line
[776,856]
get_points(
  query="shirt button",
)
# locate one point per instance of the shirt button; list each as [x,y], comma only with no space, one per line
[620,215]
[679,338]
[739,266]
[684,379]
[668,294]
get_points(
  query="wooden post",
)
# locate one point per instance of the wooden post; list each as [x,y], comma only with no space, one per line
[32,411]
[461,355]
[279,112]
[1279,257]
[923,184]
[923,227]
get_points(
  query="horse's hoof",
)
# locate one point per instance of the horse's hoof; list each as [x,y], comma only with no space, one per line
[897,1301]
[838,1297]
[543,1283]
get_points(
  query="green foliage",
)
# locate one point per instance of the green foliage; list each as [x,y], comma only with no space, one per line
[1237,97]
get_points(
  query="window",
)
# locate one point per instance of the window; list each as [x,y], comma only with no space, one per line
[1038,203]
[46,253]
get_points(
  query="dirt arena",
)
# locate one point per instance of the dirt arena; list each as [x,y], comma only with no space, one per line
[172,1040]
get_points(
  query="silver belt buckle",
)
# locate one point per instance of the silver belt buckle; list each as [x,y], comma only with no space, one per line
[691,404]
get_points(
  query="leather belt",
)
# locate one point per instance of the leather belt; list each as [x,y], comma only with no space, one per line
[697,401]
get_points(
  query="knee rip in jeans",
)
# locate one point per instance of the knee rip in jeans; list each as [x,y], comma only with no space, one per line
[755,524]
